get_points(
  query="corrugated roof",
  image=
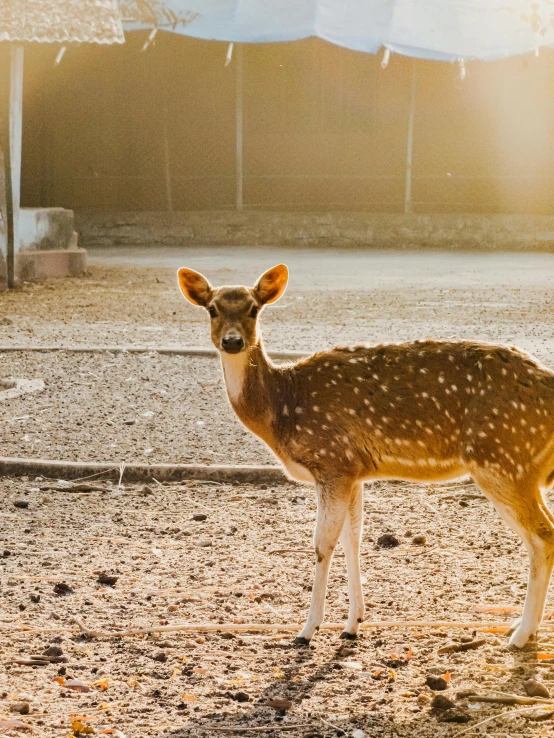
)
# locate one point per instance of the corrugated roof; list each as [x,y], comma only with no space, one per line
[61,21]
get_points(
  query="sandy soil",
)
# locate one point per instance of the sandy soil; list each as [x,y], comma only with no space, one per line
[173,568]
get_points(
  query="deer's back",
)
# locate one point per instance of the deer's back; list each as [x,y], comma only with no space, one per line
[420,406]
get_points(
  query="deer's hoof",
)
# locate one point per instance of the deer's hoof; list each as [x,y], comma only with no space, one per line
[346,636]
[521,641]
[300,642]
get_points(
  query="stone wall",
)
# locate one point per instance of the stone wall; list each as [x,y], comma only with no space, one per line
[331,229]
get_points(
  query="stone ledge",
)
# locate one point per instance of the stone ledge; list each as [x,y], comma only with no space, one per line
[31,265]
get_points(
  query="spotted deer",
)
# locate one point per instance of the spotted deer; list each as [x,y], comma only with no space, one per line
[425,411]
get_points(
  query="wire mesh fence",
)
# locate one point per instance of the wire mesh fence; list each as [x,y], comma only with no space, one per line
[295,126]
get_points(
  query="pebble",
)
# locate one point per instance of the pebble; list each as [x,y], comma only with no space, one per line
[160,656]
[388,540]
[436,683]
[62,588]
[22,504]
[454,715]
[173,608]
[23,708]
[228,636]
[204,544]
[199,517]
[442,702]
[241,697]
[419,540]
[109,579]
[533,688]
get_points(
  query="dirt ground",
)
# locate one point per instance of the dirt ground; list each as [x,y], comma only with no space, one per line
[249,560]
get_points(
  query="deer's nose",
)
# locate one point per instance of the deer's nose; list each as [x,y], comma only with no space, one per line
[232,344]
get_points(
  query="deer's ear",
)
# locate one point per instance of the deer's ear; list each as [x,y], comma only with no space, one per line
[271,285]
[194,286]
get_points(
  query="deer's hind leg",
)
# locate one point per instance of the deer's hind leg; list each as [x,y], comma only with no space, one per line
[350,538]
[521,505]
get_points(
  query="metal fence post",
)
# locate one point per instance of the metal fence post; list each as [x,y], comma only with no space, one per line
[410,143]
[239,128]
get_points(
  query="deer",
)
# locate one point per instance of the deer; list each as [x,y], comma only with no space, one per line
[421,411]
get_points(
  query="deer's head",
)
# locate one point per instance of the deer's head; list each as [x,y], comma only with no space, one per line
[233,310]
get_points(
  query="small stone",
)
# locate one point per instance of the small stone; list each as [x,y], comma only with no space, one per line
[160,656]
[109,579]
[23,708]
[441,702]
[454,715]
[228,636]
[199,517]
[299,500]
[241,697]
[6,553]
[129,421]
[436,683]
[54,651]
[6,321]
[388,540]
[204,544]
[145,490]
[533,688]
[62,588]
[22,504]
[173,608]
[419,540]
[35,598]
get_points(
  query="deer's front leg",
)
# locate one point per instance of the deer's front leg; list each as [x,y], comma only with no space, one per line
[332,506]
[350,541]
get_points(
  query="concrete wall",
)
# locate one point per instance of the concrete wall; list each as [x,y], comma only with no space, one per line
[333,229]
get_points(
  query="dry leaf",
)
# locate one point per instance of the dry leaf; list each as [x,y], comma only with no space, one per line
[544,656]
[77,686]
[392,674]
[190,697]
[200,670]
[409,653]
[377,672]
[59,680]
[278,673]
[352,665]
[497,629]
[102,683]
[447,677]
[175,673]
[80,728]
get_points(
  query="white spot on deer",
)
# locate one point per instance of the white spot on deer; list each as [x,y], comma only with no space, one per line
[310,431]
[469,377]
[351,411]
[369,421]
[328,416]
[285,410]
[322,451]
[375,376]
[482,434]
[441,379]
[298,427]
[349,455]
[453,388]
[298,410]
[423,370]
[315,408]
[424,394]
[346,439]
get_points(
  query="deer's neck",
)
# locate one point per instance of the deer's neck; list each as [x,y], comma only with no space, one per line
[250,379]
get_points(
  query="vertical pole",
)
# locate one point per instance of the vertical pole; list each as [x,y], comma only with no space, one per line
[7,159]
[167,161]
[410,143]
[16,134]
[239,127]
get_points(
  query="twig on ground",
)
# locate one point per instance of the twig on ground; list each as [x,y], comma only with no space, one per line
[505,698]
[121,473]
[253,729]
[457,647]
[496,717]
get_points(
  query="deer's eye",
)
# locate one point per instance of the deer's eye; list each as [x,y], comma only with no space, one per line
[254,312]
[212,311]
